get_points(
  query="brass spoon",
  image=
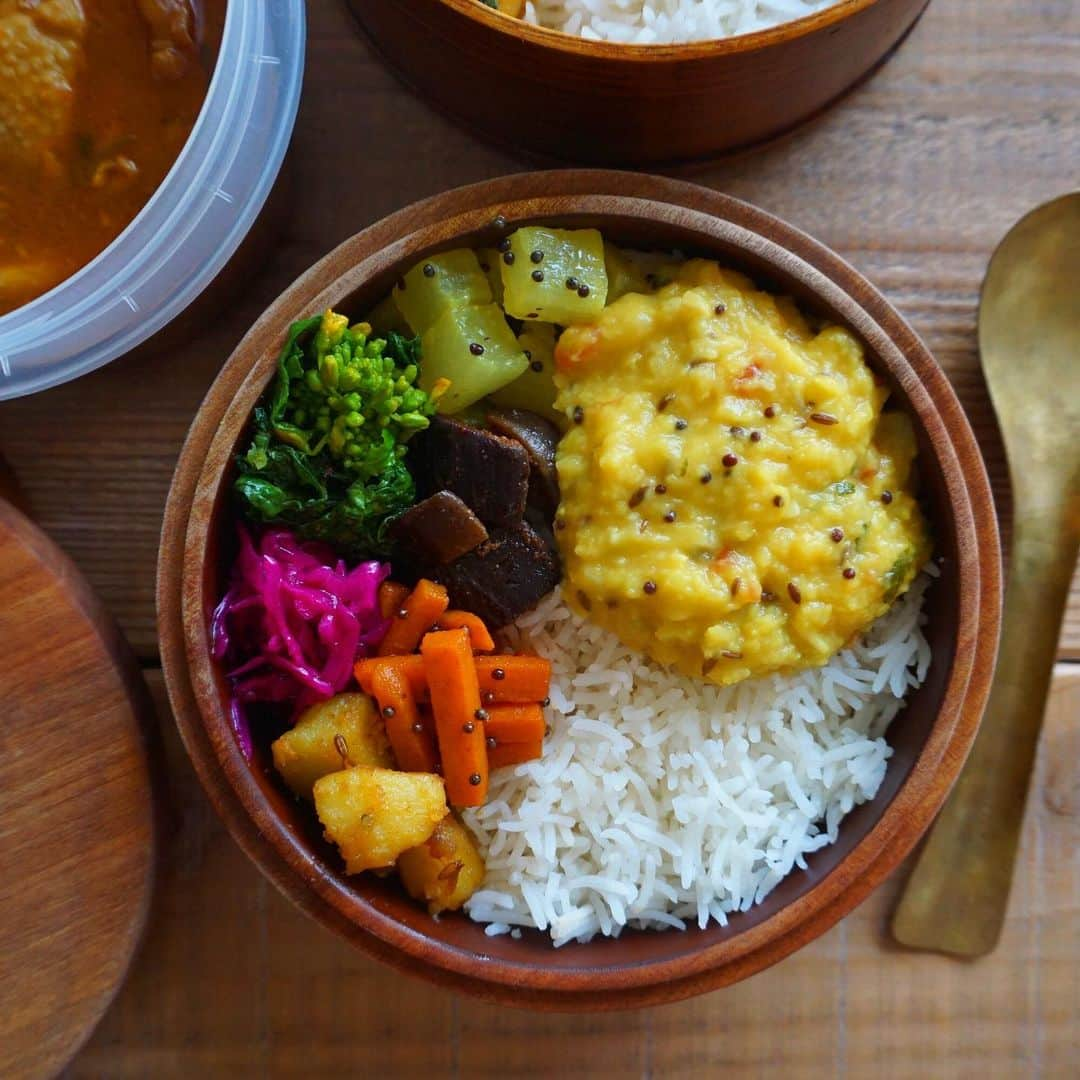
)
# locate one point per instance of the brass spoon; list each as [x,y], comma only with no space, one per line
[1029,337]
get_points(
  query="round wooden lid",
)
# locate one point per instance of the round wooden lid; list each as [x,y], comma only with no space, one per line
[76,814]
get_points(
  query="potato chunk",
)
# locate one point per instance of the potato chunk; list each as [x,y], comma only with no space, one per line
[311,749]
[445,870]
[373,815]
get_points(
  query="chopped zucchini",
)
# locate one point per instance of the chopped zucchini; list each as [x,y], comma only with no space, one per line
[346,730]
[440,282]
[490,261]
[534,388]
[445,870]
[631,271]
[555,276]
[373,815]
[475,350]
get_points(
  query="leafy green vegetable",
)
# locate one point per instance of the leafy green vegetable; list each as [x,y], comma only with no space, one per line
[326,453]
[897,575]
[843,487]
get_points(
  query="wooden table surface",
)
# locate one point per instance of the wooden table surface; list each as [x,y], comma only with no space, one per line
[914,178]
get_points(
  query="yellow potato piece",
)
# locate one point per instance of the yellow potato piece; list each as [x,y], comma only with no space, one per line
[373,815]
[314,747]
[445,870]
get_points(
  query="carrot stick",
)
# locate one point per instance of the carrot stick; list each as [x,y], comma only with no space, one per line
[411,667]
[411,739]
[418,612]
[392,595]
[514,724]
[525,679]
[455,701]
[504,754]
[479,637]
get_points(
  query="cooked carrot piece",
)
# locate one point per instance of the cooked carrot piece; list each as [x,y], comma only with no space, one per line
[419,611]
[455,702]
[411,739]
[411,667]
[479,637]
[392,595]
[519,679]
[514,723]
[503,754]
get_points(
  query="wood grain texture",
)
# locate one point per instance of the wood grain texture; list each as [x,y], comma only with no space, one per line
[914,178]
[667,103]
[76,817]
[234,982]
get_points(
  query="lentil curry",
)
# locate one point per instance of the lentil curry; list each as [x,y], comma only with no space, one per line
[97,98]
[735,502]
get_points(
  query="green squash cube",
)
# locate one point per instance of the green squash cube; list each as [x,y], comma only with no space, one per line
[534,388]
[386,316]
[554,275]
[632,271]
[438,283]
[490,261]
[475,350]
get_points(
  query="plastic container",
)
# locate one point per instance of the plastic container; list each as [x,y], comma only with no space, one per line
[193,224]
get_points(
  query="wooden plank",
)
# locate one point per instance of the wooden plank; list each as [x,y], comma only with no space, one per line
[233,981]
[914,178]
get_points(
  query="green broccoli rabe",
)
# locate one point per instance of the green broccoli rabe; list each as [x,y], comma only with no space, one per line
[354,400]
[326,452]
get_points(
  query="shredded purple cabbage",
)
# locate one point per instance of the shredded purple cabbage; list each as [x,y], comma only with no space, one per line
[292,625]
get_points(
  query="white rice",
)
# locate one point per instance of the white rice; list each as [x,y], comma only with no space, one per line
[662,800]
[658,22]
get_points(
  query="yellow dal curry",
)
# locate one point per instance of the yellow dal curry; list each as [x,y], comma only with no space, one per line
[734,500]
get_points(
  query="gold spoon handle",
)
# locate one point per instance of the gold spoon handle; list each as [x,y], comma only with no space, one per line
[956,897]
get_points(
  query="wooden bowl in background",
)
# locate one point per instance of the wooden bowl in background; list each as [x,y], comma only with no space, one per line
[930,738]
[603,103]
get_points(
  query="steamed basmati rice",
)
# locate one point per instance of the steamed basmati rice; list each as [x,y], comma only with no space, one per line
[659,22]
[662,800]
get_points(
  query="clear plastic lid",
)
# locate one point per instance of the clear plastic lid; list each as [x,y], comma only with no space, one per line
[193,224]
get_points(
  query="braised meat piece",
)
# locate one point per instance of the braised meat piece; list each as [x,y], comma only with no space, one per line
[438,530]
[488,472]
[540,437]
[504,577]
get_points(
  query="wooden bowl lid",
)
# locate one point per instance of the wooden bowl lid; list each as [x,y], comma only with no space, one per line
[76,815]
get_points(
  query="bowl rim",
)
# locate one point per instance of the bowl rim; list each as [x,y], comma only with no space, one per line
[190,679]
[641,52]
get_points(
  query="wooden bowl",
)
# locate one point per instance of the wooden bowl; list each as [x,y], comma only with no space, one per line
[603,103]
[930,738]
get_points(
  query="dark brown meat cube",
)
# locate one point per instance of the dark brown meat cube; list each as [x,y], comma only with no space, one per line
[504,577]
[540,437]
[438,530]
[488,472]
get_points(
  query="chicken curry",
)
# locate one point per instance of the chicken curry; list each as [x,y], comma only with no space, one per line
[97,98]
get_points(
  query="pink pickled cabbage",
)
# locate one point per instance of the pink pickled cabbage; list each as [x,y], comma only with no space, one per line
[292,625]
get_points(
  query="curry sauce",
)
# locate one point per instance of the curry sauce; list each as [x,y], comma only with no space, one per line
[735,501]
[97,98]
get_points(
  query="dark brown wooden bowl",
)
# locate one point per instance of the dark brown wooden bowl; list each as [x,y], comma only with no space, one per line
[602,103]
[930,738]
